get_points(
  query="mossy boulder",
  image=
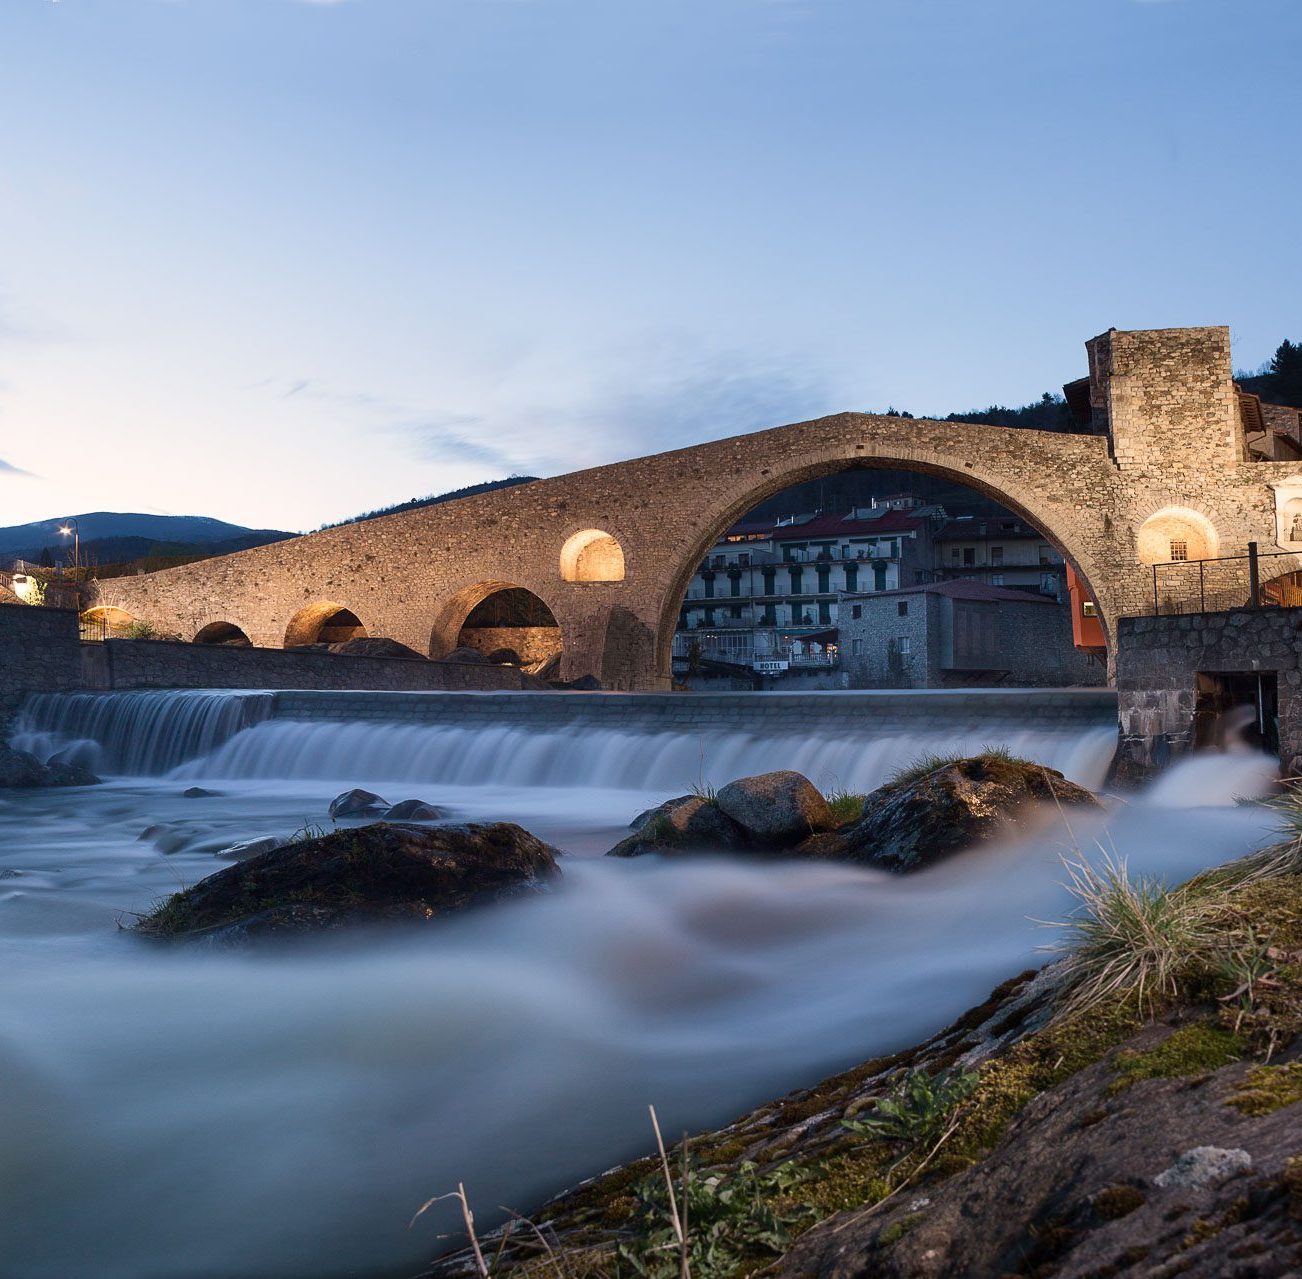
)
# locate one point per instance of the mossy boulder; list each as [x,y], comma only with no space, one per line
[690,822]
[922,818]
[369,875]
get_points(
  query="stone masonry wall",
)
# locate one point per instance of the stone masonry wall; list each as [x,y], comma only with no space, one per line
[40,651]
[120,664]
[1160,658]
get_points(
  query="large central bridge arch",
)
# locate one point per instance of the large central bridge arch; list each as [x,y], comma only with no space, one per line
[1024,498]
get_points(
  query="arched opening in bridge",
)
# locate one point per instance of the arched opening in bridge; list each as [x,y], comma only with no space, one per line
[1176,534]
[226,634]
[324,622]
[503,622]
[106,622]
[875,576]
[592,556]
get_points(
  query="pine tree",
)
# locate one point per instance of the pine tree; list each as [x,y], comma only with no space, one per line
[1286,373]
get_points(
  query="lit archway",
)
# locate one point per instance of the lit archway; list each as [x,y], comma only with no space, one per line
[226,634]
[1175,534]
[113,622]
[324,622]
[498,618]
[592,556]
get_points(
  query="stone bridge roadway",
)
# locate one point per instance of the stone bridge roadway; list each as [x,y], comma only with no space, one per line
[611,550]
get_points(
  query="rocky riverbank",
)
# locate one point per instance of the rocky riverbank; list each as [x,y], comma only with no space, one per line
[1134,1109]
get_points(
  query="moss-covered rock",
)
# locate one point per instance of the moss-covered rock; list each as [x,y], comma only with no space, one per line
[369,875]
[690,823]
[926,815]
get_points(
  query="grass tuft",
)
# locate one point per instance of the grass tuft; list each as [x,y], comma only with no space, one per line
[845,805]
[930,762]
[1133,940]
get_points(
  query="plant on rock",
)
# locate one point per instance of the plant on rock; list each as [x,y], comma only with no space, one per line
[918,1108]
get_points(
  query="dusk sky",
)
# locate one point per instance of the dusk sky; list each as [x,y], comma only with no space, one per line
[280,262]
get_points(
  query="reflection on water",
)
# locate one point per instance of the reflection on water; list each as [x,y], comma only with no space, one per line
[170,1114]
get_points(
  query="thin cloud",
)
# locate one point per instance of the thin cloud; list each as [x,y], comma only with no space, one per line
[8,468]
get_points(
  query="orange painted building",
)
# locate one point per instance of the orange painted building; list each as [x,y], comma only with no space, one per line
[1086,629]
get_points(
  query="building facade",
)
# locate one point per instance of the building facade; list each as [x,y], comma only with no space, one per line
[957,634]
[768,591]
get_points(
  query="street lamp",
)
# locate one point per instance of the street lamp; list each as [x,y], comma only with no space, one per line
[73,532]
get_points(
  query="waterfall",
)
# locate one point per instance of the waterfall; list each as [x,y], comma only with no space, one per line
[138,733]
[530,740]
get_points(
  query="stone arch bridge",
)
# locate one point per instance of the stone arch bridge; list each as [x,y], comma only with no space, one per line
[610,550]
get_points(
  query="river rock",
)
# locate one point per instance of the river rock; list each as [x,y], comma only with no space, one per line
[917,821]
[199,792]
[776,809]
[376,646]
[366,875]
[471,656]
[23,771]
[584,684]
[690,822]
[356,802]
[250,847]
[414,810]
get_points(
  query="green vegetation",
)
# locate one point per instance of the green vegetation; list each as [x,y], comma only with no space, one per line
[736,1221]
[416,503]
[1192,1050]
[1279,380]
[1269,1088]
[845,806]
[929,762]
[1132,940]
[918,768]
[918,1108]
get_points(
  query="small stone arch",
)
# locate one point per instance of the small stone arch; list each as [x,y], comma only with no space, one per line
[1175,534]
[592,555]
[115,622]
[226,634]
[498,615]
[324,622]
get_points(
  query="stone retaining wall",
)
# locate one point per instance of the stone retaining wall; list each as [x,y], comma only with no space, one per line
[167,664]
[1159,663]
[40,651]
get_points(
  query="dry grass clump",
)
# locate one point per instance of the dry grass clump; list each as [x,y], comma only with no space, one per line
[1133,940]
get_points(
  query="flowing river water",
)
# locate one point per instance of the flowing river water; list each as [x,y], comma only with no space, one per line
[174,1114]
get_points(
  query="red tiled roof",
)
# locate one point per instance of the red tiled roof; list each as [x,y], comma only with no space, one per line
[961,588]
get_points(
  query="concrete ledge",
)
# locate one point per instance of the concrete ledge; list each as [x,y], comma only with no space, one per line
[779,713]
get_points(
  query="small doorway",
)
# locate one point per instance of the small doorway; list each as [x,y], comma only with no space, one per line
[1236,708]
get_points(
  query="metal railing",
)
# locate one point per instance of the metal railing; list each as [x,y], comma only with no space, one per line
[1229,581]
